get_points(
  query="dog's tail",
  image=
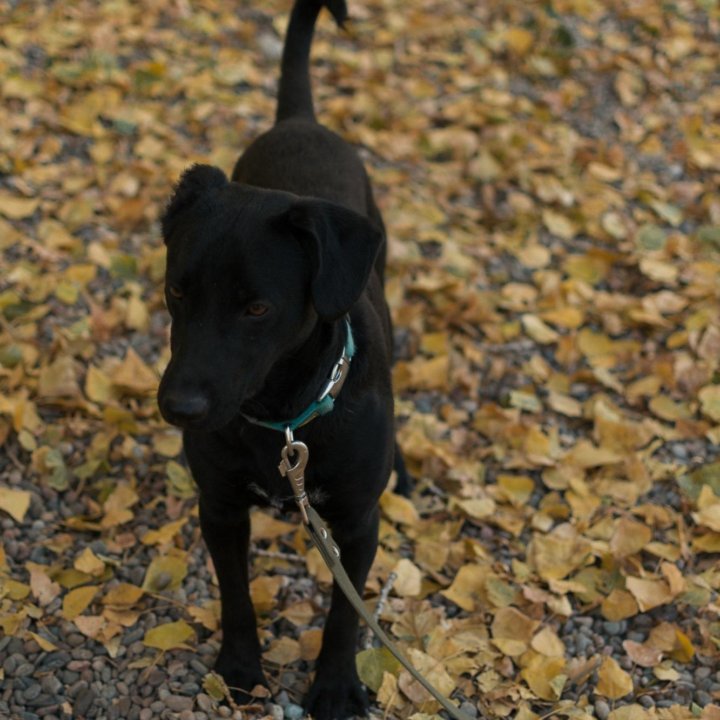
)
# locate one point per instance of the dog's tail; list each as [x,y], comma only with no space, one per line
[295,93]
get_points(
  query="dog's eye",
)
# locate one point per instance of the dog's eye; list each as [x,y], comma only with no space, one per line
[176,292]
[256,309]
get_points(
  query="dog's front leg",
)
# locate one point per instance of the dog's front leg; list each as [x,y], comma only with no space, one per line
[337,691]
[227,539]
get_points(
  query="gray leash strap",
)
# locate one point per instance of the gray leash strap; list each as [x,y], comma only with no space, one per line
[293,459]
[330,553]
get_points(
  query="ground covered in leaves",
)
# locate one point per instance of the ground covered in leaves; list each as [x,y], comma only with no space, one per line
[550,175]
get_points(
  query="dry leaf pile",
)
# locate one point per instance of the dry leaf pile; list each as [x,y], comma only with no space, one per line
[550,174]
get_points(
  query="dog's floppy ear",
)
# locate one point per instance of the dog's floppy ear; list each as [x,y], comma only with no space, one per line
[342,246]
[194,183]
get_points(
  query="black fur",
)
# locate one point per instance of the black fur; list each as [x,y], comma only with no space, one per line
[261,272]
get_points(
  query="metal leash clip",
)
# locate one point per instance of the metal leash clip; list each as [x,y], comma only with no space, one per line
[294,458]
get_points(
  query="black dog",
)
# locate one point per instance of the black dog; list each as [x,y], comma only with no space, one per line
[263,274]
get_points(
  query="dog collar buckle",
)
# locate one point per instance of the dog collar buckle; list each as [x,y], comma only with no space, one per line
[337,378]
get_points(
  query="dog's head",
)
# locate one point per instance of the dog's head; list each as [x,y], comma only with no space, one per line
[250,272]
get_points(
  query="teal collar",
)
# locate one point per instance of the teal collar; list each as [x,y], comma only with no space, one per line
[325,401]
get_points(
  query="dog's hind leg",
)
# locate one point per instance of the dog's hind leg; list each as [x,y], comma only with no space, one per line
[227,540]
[403,485]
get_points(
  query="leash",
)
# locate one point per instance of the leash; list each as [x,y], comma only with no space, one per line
[293,461]
[294,470]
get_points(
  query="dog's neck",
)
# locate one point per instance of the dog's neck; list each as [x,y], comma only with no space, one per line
[295,381]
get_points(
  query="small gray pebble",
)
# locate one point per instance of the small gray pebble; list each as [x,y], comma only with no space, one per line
[204,702]
[78,665]
[31,692]
[146,714]
[83,701]
[293,712]
[80,653]
[122,707]
[703,672]
[275,711]
[602,709]
[647,701]
[15,646]
[613,628]
[469,709]
[702,698]
[679,451]
[582,643]
[55,661]
[137,648]
[50,712]
[134,635]
[39,555]
[156,677]
[282,698]
[178,703]
[24,669]
[75,640]
[198,666]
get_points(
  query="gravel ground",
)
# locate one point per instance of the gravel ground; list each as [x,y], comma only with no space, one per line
[81,675]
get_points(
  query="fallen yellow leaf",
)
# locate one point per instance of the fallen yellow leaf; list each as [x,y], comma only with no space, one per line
[169,636]
[14,502]
[613,681]
[17,208]
[408,582]
[77,600]
[399,509]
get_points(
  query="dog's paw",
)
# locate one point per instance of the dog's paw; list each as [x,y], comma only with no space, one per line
[240,678]
[336,697]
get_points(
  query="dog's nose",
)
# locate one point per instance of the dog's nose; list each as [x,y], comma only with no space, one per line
[185,409]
